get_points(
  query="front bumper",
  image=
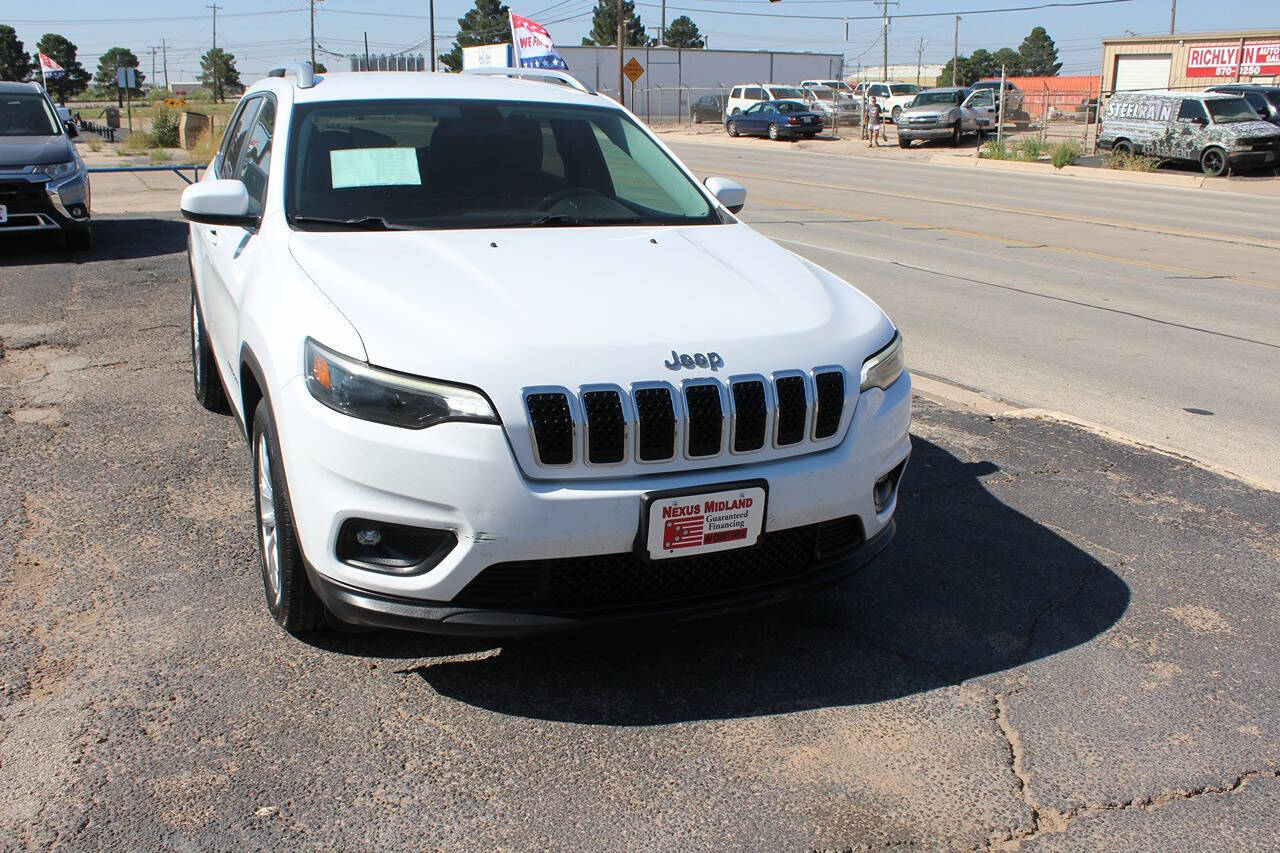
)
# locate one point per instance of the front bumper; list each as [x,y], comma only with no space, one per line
[906,131]
[372,610]
[464,478]
[1253,159]
[34,204]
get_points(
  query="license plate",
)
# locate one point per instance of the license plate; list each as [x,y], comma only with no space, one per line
[687,523]
[4,214]
[808,120]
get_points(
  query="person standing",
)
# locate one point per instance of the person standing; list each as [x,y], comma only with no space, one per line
[873,122]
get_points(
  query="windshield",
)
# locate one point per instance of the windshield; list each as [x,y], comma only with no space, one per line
[926,98]
[1274,98]
[488,164]
[786,93]
[1256,101]
[26,114]
[904,88]
[823,93]
[1230,110]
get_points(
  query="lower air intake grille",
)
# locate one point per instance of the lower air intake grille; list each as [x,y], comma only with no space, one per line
[830,393]
[622,580]
[792,408]
[657,419]
[552,427]
[750,415]
[606,427]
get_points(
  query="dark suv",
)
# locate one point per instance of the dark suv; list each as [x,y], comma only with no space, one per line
[1265,100]
[44,187]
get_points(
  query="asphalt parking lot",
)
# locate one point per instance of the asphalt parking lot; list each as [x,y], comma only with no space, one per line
[1072,644]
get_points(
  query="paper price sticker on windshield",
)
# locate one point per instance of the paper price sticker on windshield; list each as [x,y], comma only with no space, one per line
[374,167]
[703,523]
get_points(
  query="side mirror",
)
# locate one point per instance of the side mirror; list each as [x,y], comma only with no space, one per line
[731,194]
[70,127]
[224,201]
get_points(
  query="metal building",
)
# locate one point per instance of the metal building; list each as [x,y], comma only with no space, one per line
[1190,61]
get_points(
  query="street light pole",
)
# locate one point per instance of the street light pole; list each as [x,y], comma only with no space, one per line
[955,52]
[1173,14]
[431,7]
[920,43]
[620,98]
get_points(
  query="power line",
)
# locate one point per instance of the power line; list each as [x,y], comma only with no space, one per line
[877,17]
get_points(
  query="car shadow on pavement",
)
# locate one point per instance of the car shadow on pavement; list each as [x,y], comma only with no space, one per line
[971,586]
[114,239]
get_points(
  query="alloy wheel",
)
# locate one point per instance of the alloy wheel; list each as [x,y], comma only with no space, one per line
[267,528]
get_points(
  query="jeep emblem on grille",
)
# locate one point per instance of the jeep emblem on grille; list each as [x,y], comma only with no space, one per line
[684,359]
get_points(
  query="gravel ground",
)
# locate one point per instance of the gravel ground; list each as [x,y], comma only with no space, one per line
[1072,644]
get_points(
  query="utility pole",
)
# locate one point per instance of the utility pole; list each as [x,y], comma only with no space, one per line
[1173,14]
[366,51]
[620,99]
[884,32]
[662,33]
[215,7]
[313,33]
[164,52]
[920,43]
[153,50]
[431,11]
[955,53]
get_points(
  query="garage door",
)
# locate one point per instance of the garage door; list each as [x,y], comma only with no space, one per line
[1149,71]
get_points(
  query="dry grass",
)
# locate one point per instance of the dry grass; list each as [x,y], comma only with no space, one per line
[1130,162]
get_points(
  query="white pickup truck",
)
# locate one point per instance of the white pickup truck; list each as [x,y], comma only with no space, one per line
[892,97]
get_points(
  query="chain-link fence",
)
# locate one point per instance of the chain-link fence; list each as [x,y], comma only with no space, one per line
[1055,115]
[668,105]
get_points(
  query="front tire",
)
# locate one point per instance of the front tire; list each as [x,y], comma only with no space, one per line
[290,599]
[897,112]
[731,128]
[773,131]
[904,141]
[957,133]
[697,117]
[204,369]
[1123,147]
[1214,162]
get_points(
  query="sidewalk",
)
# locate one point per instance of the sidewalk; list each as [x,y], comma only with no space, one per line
[966,156]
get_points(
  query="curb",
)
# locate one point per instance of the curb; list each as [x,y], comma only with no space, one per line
[1185,181]
[955,396]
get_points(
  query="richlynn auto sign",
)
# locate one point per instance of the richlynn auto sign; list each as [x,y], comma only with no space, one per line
[1226,60]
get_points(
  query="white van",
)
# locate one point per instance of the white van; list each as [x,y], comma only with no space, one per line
[746,94]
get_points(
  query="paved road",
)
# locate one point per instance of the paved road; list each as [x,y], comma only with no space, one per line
[1072,644]
[1154,311]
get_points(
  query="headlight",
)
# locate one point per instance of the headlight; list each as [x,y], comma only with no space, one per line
[356,389]
[58,170]
[883,369]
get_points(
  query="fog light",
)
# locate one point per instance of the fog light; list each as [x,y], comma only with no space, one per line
[882,492]
[76,211]
[395,549]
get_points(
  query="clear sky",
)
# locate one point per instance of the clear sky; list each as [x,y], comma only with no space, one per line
[262,33]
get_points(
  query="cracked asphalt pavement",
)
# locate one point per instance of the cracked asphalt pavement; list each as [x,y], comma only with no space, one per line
[1072,644]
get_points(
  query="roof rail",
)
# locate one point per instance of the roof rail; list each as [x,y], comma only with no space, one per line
[302,70]
[548,74]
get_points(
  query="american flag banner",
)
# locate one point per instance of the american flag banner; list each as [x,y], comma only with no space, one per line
[533,46]
[49,68]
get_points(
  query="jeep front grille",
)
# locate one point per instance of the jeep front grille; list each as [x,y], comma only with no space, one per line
[703,418]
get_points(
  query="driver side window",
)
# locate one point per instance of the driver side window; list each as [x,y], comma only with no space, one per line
[237,136]
[753,109]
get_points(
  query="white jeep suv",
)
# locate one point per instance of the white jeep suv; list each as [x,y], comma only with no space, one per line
[506,366]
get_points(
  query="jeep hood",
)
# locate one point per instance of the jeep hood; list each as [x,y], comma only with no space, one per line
[507,309]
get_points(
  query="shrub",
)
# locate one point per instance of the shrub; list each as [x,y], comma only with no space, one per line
[159,155]
[994,150]
[1130,162]
[1029,148]
[1064,153]
[137,142]
[164,129]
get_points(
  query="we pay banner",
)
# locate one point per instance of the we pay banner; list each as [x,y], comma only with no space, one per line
[533,46]
[49,68]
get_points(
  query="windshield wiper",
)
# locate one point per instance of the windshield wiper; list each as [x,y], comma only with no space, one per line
[363,223]
[566,219]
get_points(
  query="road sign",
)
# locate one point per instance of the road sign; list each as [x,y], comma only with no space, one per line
[175,103]
[633,70]
[127,78]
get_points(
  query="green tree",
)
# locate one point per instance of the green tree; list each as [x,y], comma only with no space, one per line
[63,52]
[964,75]
[683,32]
[218,73]
[113,59]
[15,63]
[1010,59]
[488,23]
[604,25]
[1040,54]
[982,65]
